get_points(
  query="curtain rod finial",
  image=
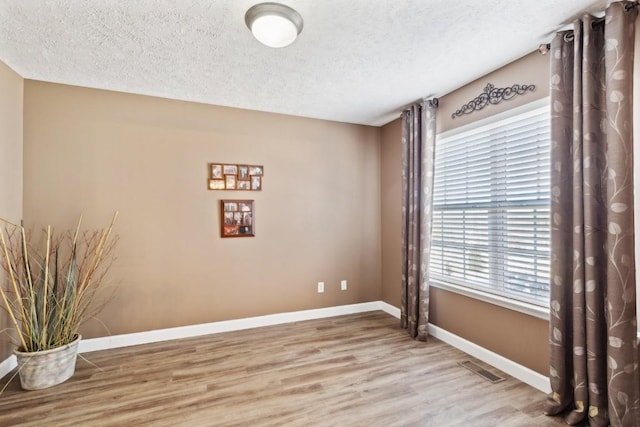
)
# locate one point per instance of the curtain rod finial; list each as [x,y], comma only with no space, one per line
[544,48]
[629,6]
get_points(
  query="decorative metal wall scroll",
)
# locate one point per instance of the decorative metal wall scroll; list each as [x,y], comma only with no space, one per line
[492,95]
[224,176]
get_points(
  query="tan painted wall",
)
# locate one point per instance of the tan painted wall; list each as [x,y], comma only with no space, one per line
[317,218]
[531,69]
[391,186]
[517,336]
[11,87]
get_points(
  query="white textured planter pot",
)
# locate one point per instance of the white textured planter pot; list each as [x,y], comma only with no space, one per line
[43,369]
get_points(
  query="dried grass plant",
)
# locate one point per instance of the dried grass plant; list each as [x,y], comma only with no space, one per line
[53,284]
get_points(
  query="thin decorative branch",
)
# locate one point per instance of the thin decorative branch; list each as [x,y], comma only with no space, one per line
[10,307]
[46,285]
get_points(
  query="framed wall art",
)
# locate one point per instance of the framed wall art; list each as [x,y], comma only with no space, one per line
[237,218]
[225,176]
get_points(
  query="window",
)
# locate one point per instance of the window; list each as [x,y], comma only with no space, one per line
[491,207]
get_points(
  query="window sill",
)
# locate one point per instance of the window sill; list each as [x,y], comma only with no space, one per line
[519,306]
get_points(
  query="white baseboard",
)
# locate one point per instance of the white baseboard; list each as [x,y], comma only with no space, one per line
[8,365]
[124,340]
[522,373]
[147,337]
[516,370]
[389,309]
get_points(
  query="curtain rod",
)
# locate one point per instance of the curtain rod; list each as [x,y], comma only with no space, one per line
[430,99]
[545,47]
[629,6]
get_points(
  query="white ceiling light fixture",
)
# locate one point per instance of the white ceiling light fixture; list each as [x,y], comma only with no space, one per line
[273,24]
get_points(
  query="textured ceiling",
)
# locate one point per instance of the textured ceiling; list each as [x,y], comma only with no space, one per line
[356,61]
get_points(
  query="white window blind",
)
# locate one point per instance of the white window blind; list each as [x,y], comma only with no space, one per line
[491,208]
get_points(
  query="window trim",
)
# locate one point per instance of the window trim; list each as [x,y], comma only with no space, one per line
[535,310]
[512,304]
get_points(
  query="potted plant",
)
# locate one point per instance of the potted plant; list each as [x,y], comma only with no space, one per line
[52,288]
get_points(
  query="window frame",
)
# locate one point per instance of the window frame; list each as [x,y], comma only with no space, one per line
[499,299]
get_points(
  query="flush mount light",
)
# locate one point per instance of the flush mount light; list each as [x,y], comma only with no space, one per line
[273,24]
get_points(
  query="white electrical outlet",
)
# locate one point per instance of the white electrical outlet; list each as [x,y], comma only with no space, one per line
[320,287]
[343,285]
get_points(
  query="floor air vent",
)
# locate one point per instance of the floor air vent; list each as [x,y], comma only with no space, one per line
[492,378]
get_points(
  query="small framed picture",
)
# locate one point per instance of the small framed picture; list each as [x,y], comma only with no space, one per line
[216,184]
[230,169]
[215,171]
[230,206]
[256,170]
[243,172]
[237,218]
[230,230]
[247,218]
[227,176]
[256,183]
[230,182]
[228,218]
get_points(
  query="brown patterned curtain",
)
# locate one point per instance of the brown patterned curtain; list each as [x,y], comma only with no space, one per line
[418,142]
[593,349]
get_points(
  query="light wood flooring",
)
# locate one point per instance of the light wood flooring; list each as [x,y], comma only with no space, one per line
[356,370]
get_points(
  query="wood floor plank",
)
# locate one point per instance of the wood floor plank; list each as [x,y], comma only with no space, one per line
[356,370]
